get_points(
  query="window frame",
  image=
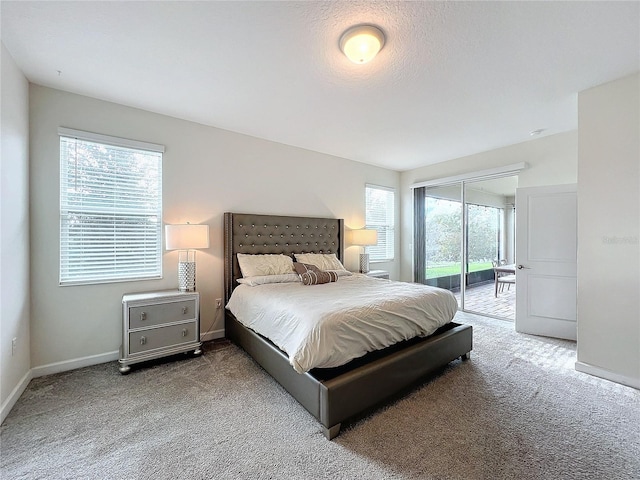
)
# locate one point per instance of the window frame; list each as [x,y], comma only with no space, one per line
[387,228]
[74,203]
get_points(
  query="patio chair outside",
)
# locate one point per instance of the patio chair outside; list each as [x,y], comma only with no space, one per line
[502,278]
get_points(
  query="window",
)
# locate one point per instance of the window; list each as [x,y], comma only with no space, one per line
[110,209]
[380,210]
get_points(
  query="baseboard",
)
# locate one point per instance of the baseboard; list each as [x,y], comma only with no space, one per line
[66,365]
[608,375]
[205,337]
[15,395]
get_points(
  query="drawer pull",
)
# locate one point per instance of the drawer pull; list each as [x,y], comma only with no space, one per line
[143,340]
[184,310]
[184,332]
[143,316]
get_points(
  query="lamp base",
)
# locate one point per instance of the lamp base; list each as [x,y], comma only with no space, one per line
[364,263]
[187,276]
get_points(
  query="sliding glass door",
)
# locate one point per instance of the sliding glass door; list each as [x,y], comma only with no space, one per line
[462,231]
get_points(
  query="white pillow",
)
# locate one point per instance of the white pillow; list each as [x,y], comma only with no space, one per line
[324,261]
[263,279]
[255,265]
[342,273]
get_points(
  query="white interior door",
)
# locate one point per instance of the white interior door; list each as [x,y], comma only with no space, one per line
[546,260]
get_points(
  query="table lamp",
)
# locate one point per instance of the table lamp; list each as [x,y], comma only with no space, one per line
[364,237]
[186,238]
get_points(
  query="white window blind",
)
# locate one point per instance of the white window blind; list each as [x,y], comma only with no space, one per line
[380,210]
[110,209]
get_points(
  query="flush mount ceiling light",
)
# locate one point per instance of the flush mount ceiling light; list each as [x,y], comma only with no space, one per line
[361,43]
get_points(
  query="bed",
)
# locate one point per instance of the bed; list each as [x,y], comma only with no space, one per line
[332,395]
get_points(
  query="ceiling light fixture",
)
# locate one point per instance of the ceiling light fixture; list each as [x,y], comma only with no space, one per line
[362,43]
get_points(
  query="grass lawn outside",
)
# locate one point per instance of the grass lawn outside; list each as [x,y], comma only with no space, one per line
[454,269]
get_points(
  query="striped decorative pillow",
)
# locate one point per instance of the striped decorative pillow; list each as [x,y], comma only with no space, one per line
[312,275]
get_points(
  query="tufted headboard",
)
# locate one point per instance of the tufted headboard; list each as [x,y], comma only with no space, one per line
[260,234]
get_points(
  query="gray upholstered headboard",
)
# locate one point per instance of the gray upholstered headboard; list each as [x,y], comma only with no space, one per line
[260,234]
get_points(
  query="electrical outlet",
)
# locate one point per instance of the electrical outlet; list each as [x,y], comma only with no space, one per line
[14,344]
[218,303]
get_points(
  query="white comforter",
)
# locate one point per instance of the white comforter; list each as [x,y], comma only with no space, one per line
[322,326]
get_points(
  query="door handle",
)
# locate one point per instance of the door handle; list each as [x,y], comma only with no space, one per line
[520,267]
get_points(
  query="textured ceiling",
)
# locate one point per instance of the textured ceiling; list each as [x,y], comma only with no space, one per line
[454,78]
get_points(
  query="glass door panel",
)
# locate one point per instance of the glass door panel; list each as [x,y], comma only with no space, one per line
[443,245]
[489,239]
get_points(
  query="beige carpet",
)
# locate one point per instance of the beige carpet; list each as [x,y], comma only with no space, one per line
[516,410]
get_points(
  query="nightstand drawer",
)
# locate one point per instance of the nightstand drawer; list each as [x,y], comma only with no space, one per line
[157,324]
[149,315]
[144,340]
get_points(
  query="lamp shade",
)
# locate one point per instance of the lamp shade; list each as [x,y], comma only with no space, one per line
[364,237]
[186,236]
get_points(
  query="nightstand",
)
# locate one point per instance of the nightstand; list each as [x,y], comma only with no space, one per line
[157,324]
[378,274]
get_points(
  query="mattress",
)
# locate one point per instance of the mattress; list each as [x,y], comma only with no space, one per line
[328,325]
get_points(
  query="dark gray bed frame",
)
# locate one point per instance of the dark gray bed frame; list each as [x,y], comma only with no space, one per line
[331,395]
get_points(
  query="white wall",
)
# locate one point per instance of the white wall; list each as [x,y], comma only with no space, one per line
[206,171]
[609,231]
[552,160]
[14,233]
